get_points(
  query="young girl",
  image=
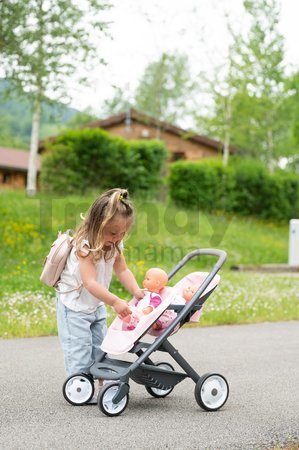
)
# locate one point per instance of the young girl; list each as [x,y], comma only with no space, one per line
[83,287]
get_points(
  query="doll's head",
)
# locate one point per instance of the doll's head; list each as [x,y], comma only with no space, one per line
[155,280]
[189,291]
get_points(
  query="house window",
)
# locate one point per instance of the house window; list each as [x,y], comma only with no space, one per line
[6,178]
[178,155]
[145,133]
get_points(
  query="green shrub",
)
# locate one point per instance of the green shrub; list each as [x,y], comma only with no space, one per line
[79,160]
[282,197]
[150,156]
[246,188]
[264,194]
[206,185]
[251,180]
[58,172]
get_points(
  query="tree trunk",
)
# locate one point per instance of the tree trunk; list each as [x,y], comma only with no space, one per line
[227,125]
[32,167]
[226,149]
[270,145]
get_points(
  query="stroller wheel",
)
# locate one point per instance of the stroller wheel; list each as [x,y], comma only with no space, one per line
[211,391]
[78,389]
[156,392]
[105,400]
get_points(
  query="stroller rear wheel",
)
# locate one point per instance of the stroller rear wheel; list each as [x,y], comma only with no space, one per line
[105,400]
[78,389]
[211,391]
[156,392]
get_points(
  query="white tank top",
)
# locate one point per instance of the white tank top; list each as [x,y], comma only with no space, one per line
[81,299]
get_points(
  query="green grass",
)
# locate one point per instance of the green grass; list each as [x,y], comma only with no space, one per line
[162,235]
[288,446]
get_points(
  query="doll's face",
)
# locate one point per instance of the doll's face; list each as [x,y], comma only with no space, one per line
[155,280]
[188,292]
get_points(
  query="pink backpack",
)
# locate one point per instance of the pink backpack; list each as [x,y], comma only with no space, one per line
[56,260]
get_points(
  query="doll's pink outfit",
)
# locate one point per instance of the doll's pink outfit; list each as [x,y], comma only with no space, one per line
[150,299]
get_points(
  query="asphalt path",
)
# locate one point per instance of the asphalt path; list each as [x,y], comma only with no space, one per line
[260,362]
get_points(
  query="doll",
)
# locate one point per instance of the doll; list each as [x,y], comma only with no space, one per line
[185,297]
[154,281]
[169,315]
[188,292]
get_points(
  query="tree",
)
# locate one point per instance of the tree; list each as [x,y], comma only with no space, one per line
[260,124]
[7,138]
[248,91]
[81,118]
[118,103]
[292,106]
[222,86]
[166,87]
[164,91]
[42,44]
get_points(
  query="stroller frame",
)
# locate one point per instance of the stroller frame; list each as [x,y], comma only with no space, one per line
[211,390]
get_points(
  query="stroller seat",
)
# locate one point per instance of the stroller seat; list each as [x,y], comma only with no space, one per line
[118,340]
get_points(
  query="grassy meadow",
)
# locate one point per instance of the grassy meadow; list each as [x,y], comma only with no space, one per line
[161,236]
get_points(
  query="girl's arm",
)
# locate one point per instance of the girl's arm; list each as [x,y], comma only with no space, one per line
[88,276]
[126,277]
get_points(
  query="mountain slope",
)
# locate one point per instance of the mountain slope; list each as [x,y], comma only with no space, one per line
[15,118]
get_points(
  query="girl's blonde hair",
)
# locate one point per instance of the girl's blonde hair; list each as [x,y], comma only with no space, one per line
[108,205]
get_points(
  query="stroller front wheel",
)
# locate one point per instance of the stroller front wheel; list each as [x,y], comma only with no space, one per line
[211,391]
[106,397]
[78,389]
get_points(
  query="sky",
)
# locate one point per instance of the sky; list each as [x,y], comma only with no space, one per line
[142,29]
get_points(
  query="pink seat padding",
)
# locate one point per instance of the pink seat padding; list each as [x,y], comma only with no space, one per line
[118,341]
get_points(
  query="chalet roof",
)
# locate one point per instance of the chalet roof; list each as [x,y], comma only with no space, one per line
[139,117]
[13,159]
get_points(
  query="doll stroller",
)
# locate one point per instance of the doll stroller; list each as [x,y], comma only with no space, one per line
[211,389]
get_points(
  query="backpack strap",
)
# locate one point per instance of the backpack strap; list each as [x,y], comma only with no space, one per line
[84,248]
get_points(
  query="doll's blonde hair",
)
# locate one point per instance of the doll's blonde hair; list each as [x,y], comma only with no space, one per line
[107,206]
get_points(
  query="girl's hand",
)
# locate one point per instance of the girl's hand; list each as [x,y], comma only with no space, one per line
[139,294]
[121,308]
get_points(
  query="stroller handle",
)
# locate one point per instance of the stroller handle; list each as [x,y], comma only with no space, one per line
[200,252]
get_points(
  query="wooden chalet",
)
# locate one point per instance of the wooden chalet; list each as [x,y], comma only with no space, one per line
[14,167]
[181,143]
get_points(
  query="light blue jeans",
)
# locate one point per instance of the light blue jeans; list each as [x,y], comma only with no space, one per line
[80,335]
